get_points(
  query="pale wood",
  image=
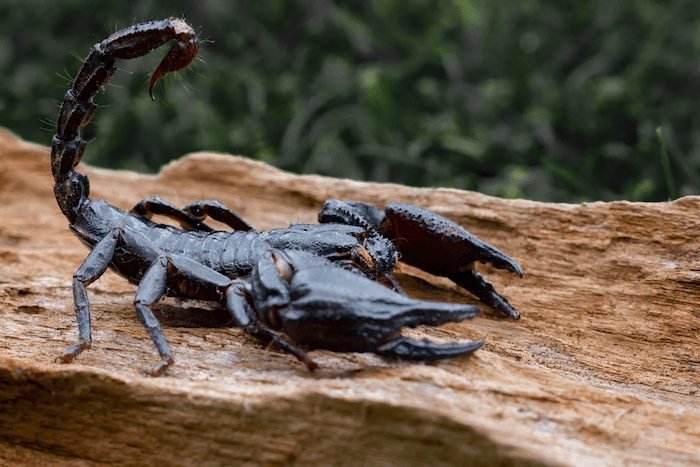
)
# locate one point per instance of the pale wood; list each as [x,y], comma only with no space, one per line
[604,367]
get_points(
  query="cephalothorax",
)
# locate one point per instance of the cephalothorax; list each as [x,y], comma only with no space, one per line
[301,287]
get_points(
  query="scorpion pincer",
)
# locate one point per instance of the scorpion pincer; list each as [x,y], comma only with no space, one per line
[302,287]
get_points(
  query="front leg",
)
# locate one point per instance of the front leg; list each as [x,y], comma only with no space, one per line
[269,290]
[244,317]
[192,279]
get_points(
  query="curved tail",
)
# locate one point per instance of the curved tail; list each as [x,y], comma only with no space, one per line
[72,188]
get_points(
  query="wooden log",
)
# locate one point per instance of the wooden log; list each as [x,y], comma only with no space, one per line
[603,368]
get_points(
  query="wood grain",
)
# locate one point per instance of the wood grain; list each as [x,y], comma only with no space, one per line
[603,368]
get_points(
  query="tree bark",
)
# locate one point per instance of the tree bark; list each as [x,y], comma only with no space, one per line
[603,367]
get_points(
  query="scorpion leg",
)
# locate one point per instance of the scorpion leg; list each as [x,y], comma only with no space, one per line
[193,279]
[152,287]
[180,274]
[192,216]
[244,317]
[92,268]
[217,211]
[147,207]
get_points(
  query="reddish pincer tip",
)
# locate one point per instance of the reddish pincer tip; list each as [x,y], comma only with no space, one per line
[181,54]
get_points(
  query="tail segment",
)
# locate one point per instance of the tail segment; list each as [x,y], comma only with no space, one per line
[72,188]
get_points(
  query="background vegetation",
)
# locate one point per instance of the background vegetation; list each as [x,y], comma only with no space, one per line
[549,100]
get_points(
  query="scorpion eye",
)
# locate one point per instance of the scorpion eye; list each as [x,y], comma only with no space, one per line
[283,267]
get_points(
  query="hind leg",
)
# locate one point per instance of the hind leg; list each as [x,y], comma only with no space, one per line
[92,268]
[243,315]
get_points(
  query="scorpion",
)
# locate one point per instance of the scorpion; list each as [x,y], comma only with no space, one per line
[302,287]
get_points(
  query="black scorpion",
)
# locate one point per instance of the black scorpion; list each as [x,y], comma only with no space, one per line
[300,287]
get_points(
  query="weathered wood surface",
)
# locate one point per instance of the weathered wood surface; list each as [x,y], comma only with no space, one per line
[603,368]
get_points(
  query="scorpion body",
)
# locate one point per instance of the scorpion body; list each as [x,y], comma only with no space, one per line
[305,285]
[233,254]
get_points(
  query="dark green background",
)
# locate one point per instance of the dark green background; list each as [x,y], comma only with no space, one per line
[549,100]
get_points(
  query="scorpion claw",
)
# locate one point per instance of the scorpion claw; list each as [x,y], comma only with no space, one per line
[437,245]
[441,247]
[325,311]
[499,260]
[473,282]
[425,349]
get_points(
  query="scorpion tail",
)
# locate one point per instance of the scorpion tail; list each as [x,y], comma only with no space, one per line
[71,188]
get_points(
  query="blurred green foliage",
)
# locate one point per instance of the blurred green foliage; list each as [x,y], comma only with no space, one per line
[549,100]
